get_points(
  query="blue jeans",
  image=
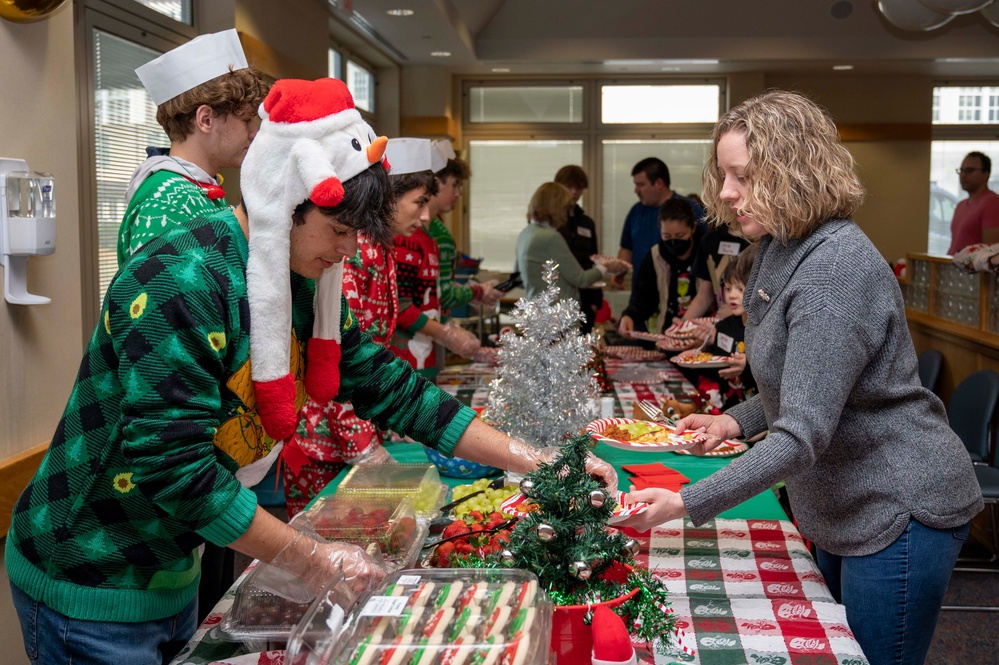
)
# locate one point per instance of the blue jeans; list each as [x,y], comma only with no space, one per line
[50,637]
[893,597]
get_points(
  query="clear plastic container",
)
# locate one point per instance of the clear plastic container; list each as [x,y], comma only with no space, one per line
[421,482]
[388,522]
[454,615]
[260,618]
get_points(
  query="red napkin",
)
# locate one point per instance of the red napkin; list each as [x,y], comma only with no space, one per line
[652,469]
[667,483]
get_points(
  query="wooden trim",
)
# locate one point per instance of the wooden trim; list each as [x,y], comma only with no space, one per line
[16,471]
[885,131]
[979,338]
[428,126]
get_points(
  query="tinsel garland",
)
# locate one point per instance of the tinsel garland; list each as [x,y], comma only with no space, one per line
[544,392]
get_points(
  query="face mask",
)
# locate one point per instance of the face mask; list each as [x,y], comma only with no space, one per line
[676,246]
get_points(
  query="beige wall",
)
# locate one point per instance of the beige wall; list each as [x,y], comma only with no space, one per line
[895,171]
[39,345]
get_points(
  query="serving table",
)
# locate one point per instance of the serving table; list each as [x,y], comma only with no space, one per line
[744,586]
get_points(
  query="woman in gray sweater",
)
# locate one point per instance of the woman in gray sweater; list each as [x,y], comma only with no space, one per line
[878,480]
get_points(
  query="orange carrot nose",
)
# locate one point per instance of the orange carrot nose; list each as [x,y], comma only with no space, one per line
[377,149]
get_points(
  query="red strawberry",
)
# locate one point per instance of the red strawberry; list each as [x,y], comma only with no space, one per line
[456,528]
[463,549]
[443,554]
[474,515]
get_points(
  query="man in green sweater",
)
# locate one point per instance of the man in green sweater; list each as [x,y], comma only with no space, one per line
[450,179]
[167,408]
[206,100]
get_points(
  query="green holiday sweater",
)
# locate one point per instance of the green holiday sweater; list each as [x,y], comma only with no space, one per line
[452,293]
[140,469]
[164,199]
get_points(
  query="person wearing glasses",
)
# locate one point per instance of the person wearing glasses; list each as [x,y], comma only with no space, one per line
[976,218]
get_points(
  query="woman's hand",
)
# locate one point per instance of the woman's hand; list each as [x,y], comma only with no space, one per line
[626,326]
[736,366]
[718,428]
[663,507]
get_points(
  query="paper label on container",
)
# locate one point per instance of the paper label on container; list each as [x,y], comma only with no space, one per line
[384,606]
[407,580]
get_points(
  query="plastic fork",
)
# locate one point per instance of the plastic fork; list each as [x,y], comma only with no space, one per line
[654,412]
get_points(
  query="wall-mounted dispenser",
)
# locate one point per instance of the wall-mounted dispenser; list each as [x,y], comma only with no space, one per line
[27,226]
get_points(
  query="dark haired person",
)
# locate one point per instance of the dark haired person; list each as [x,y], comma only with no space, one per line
[976,218]
[207,99]
[641,226]
[451,177]
[664,284]
[580,232]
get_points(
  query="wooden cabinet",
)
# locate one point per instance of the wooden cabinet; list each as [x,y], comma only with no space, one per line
[954,312]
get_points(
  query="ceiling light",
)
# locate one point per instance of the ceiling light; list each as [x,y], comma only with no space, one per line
[441,54]
[501,70]
[400,12]
[842,68]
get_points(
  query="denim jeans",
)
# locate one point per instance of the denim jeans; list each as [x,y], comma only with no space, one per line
[50,637]
[893,597]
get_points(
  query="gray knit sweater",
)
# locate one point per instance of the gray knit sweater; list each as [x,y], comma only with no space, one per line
[860,444]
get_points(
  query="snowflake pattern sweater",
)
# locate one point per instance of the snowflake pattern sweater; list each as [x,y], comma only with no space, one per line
[163,200]
[140,469]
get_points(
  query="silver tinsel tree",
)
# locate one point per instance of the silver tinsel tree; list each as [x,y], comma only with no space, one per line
[544,392]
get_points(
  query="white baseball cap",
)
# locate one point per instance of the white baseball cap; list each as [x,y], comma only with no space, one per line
[191,64]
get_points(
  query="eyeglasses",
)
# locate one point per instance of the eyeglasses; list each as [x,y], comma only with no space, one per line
[967,169]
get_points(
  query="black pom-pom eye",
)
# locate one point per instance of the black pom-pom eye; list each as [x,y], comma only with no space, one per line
[356,144]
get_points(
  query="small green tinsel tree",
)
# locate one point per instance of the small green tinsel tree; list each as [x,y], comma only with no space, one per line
[566,543]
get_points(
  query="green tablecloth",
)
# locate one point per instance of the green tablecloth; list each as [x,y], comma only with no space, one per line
[764,506]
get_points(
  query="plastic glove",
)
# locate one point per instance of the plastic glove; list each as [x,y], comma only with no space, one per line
[374,454]
[613,266]
[458,340]
[523,457]
[486,354]
[487,295]
[313,563]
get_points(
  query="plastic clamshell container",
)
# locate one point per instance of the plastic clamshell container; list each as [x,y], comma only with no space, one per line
[388,522]
[450,615]
[421,482]
[259,617]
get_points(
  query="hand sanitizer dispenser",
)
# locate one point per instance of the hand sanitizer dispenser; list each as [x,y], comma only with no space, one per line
[27,226]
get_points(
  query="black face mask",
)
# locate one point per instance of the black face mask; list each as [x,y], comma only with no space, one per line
[676,246]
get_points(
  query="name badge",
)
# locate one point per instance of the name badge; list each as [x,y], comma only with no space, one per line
[584,232]
[729,248]
[725,342]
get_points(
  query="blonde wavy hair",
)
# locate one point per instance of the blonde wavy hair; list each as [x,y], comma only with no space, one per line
[800,175]
[550,203]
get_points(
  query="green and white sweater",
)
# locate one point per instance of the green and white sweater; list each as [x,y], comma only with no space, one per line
[164,199]
[452,294]
[140,469]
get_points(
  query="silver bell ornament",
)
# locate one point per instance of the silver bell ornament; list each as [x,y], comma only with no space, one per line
[581,570]
[506,557]
[597,498]
[545,532]
[633,546]
[526,486]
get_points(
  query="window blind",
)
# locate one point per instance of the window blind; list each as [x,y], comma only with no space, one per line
[124,124]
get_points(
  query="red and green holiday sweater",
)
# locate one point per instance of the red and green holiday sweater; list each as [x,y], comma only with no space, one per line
[452,294]
[141,467]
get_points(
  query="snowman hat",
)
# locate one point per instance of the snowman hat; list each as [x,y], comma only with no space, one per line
[311,140]
[191,64]
[611,641]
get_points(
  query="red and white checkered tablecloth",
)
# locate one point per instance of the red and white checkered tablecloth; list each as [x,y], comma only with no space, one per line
[748,591]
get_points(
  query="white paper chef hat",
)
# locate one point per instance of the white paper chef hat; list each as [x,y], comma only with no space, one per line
[442,152]
[406,155]
[188,66]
